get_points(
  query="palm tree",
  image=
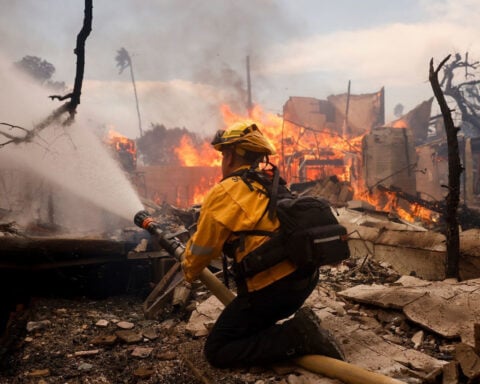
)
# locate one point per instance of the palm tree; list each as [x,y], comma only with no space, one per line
[123,61]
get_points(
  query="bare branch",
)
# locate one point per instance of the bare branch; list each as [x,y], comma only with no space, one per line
[13,138]
[61,98]
[13,126]
[71,105]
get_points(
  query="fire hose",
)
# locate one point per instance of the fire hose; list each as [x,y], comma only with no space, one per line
[175,248]
[329,367]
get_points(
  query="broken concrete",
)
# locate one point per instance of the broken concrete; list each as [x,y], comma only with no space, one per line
[446,308]
[409,249]
[204,316]
[468,360]
[362,346]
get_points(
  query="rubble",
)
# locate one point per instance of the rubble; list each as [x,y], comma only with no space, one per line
[376,335]
[406,327]
[442,307]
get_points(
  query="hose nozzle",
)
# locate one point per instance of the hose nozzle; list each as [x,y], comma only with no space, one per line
[171,245]
[145,221]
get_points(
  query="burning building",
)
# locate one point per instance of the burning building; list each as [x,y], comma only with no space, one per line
[321,138]
[341,144]
[315,139]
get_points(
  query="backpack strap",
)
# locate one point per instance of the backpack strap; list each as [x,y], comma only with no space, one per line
[272,204]
[251,264]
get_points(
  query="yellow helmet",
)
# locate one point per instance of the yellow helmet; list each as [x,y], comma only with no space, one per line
[245,136]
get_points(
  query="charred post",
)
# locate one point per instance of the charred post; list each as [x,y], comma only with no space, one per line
[454,171]
[80,52]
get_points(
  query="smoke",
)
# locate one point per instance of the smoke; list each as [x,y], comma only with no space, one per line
[22,101]
[63,175]
[216,39]
[205,44]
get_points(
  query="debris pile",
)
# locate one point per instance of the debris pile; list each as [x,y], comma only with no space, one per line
[414,330]
[110,341]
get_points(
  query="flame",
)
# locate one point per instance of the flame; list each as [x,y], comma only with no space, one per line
[389,202]
[191,156]
[121,144]
[324,151]
[399,124]
[201,190]
[305,154]
[290,141]
[295,144]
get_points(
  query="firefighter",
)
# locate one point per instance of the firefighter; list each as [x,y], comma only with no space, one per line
[246,332]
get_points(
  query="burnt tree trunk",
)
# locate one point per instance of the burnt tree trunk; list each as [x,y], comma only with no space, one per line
[80,52]
[454,172]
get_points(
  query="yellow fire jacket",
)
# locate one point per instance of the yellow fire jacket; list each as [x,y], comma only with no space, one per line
[231,206]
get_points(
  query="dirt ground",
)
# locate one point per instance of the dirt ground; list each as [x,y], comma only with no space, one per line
[80,340]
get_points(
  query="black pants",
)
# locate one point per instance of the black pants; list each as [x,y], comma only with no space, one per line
[246,332]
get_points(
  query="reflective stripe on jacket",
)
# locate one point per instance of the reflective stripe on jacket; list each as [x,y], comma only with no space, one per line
[232,207]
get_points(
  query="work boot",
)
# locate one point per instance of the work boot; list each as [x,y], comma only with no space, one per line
[316,339]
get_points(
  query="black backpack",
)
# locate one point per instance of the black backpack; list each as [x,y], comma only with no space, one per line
[309,233]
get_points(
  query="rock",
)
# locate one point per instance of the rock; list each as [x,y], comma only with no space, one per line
[150,333]
[85,367]
[39,373]
[168,324]
[469,361]
[294,379]
[102,323]
[143,372]
[125,325]
[168,355]
[37,325]
[417,339]
[353,313]
[128,336]
[392,338]
[435,376]
[104,340]
[450,373]
[142,352]
[204,315]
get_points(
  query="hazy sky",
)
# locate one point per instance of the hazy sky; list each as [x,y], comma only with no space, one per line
[189,55]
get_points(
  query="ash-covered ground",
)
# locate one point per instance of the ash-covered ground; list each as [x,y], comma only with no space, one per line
[81,340]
